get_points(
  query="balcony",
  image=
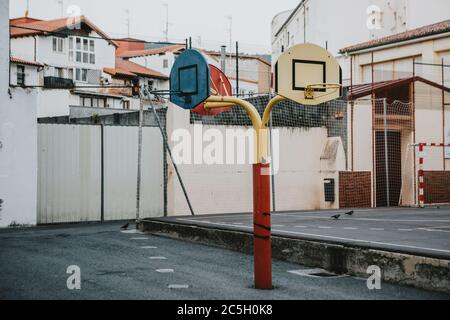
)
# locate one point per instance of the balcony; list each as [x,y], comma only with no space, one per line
[58,83]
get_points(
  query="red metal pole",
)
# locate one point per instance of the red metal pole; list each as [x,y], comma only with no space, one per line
[262,233]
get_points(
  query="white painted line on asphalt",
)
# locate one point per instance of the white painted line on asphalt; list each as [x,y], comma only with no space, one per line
[324,227]
[178,286]
[149,247]
[373,219]
[337,238]
[377,229]
[350,228]
[165,270]
[134,231]
[301,227]
[433,230]
[140,238]
[315,273]
[278,226]
[406,230]
[157,258]
[442,227]
[362,241]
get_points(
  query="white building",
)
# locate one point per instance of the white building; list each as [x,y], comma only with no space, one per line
[72,55]
[18,141]
[254,72]
[410,67]
[338,24]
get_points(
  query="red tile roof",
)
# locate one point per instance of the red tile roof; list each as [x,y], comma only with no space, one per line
[149,52]
[125,68]
[115,72]
[362,90]
[28,63]
[243,56]
[139,70]
[41,27]
[434,29]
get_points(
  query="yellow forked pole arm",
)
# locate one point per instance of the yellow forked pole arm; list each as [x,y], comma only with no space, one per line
[219,102]
[266,117]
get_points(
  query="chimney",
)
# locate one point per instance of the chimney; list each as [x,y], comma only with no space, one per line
[222,58]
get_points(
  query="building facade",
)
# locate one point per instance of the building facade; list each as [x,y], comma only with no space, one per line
[338,24]
[66,60]
[411,70]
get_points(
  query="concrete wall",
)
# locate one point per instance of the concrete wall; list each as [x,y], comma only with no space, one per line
[18,131]
[223,188]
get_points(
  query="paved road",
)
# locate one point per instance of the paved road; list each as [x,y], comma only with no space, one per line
[118,265]
[424,232]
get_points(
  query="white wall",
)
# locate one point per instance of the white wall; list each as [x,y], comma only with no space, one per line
[70,173]
[18,130]
[215,189]
[53,103]
[156,62]
[32,77]
[24,48]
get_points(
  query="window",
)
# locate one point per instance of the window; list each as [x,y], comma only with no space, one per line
[165,63]
[71,74]
[70,48]
[150,85]
[86,101]
[20,75]
[81,75]
[126,104]
[59,72]
[84,50]
[58,44]
[92,52]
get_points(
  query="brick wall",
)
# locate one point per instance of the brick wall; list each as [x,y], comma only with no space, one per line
[437,187]
[355,190]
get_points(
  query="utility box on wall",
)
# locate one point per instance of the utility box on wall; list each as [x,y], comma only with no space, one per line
[330,194]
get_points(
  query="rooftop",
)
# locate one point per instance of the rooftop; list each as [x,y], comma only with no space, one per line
[362,90]
[430,30]
[149,52]
[25,62]
[23,27]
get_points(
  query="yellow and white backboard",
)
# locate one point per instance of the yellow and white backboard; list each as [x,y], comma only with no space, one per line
[308,74]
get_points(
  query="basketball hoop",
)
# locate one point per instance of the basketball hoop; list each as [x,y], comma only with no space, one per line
[310,90]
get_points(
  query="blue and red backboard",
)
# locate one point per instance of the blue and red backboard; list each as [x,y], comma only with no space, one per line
[190,80]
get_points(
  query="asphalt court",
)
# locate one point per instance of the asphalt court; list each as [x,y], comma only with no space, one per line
[424,232]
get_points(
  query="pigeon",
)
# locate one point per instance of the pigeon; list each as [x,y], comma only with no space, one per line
[336,217]
[350,213]
[125,227]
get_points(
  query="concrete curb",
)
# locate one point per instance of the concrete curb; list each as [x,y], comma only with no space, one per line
[398,268]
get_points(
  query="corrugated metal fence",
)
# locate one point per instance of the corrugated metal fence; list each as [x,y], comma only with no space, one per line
[77,182]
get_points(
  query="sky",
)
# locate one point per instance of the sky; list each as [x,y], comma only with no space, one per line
[204,20]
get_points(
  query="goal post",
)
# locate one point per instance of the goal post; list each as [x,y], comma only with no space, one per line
[432,174]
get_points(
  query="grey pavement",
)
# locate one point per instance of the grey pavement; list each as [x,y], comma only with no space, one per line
[424,232]
[130,265]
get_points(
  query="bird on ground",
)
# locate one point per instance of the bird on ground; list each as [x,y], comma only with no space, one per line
[336,217]
[350,213]
[125,227]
